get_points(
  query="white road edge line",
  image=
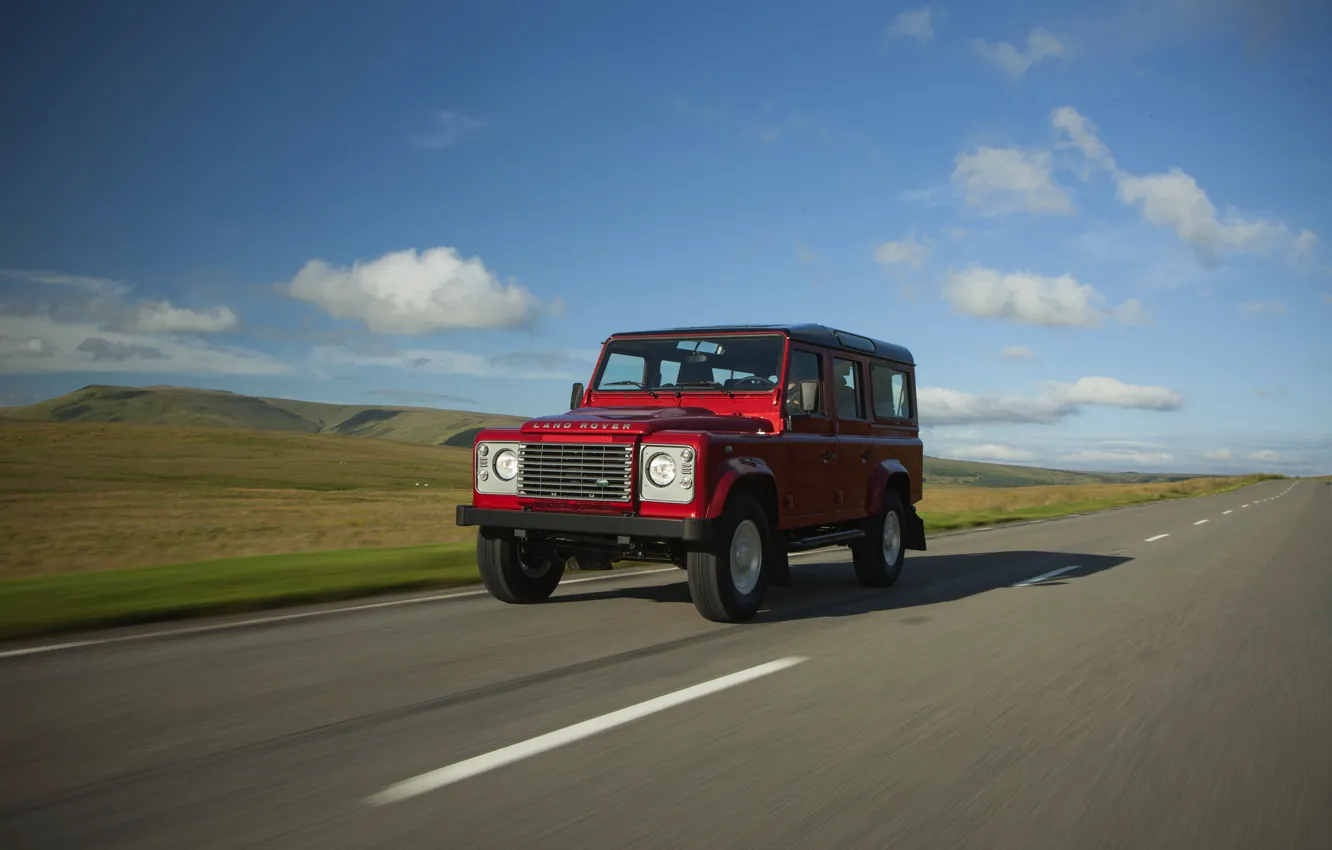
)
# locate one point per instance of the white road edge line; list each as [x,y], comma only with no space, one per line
[1223,513]
[467,768]
[1201,521]
[1156,538]
[1044,576]
[1243,506]
[299,615]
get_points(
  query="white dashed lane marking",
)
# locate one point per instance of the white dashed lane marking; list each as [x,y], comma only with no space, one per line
[1156,538]
[467,768]
[1044,576]
[1200,522]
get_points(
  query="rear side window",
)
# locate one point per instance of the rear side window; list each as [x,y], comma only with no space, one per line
[891,399]
[846,383]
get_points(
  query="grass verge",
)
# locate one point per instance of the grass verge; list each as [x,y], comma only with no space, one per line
[42,605]
[945,520]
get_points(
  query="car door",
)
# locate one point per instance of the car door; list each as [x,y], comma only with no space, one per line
[808,485]
[855,453]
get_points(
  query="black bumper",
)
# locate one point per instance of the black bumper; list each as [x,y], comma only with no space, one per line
[692,530]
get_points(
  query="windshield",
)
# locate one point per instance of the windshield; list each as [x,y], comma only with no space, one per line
[722,363]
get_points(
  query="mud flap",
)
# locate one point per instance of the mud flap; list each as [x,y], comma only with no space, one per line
[913,536]
[779,571]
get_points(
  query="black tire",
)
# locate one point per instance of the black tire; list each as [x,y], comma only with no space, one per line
[712,584]
[512,571]
[871,553]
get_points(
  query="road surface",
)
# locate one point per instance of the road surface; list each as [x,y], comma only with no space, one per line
[1169,684]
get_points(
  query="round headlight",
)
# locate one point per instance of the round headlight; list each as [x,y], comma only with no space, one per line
[661,470]
[506,464]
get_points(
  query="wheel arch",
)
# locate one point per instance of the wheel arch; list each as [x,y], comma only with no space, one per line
[751,476]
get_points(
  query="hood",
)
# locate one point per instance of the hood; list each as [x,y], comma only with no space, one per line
[639,420]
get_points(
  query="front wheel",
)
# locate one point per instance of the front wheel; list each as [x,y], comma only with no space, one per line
[515,570]
[728,578]
[879,554]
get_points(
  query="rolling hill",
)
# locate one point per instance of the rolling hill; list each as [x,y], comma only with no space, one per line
[182,406]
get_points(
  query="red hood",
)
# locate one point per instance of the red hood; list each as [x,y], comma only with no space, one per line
[639,420]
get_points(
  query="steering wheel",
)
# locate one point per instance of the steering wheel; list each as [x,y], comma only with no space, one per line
[754,382]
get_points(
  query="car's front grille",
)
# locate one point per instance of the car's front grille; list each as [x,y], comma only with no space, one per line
[590,471]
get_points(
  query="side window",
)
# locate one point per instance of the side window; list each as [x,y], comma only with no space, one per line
[805,366]
[891,399]
[846,383]
[621,367]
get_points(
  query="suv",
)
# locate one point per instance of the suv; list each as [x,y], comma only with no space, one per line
[720,450]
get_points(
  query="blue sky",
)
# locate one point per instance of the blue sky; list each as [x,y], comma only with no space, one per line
[1102,229]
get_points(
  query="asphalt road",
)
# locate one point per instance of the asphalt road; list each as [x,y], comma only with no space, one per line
[1171,693]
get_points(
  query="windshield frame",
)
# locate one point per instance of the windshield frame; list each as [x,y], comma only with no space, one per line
[711,387]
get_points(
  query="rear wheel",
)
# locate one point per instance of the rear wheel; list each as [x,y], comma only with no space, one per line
[729,577]
[879,554]
[515,570]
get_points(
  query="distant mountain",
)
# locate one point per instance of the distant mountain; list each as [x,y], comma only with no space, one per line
[969,473]
[218,408]
[184,406]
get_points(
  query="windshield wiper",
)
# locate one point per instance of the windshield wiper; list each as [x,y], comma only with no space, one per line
[716,384]
[627,384]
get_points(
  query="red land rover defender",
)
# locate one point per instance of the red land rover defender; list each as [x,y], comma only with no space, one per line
[719,450]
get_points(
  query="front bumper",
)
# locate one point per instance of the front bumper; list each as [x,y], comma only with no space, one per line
[690,530]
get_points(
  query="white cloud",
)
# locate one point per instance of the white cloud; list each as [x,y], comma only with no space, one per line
[1129,444]
[1032,299]
[1041,45]
[1114,393]
[1218,454]
[50,277]
[1119,457]
[161,317]
[531,365]
[103,301]
[906,251]
[404,292]
[991,451]
[1175,201]
[1082,135]
[1266,456]
[1131,312]
[32,346]
[1017,352]
[940,406]
[917,24]
[1263,307]
[446,128]
[89,347]
[998,181]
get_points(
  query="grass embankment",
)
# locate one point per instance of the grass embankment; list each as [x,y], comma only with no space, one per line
[952,508]
[114,524]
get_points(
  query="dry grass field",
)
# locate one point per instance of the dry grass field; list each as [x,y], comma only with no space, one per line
[79,497]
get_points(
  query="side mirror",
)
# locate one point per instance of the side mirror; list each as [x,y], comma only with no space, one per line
[576,396]
[809,396]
